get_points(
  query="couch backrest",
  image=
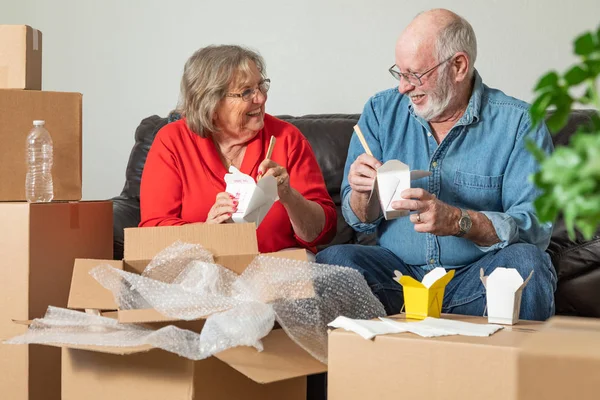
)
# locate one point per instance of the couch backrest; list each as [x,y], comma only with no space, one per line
[329,135]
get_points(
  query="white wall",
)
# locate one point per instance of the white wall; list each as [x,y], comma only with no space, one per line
[126,56]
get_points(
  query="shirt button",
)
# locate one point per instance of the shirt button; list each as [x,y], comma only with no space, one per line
[432,261]
[434,164]
[428,133]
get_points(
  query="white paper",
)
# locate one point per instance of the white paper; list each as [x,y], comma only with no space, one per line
[429,327]
[368,329]
[254,199]
[392,178]
[504,287]
[434,327]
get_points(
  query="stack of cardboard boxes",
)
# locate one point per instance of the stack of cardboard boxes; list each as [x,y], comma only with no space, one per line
[39,242]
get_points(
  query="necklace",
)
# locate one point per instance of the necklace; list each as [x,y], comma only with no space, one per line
[229,161]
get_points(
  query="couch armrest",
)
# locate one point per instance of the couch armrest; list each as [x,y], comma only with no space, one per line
[126,214]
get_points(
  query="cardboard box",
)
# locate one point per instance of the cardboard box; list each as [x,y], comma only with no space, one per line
[563,362]
[62,113]
[20,57]
[93,372]
[424,299]
[504,288]
[38,244]
[443,368]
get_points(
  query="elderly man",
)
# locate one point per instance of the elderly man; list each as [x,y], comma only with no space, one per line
[476,209]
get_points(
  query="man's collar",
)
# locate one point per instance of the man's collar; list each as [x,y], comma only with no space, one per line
[474,107]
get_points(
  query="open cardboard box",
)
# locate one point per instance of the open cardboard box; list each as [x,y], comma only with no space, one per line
[95,372]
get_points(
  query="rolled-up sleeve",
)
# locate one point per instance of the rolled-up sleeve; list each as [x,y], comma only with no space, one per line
[369,126]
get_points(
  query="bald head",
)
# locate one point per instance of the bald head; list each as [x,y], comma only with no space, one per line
[436,35]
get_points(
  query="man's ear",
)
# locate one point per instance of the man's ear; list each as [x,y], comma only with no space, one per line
[460,66]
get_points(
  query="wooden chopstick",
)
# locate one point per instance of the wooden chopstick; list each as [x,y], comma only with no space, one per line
[270,149]
[362,140]
[269,153]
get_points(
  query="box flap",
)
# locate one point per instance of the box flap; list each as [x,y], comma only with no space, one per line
[85,291]
[507,280]
[146,316]
[443,281]
[409,281]
[219,239]
[574,323]
[281,359]
[483,278]
[106,349]
[296,254]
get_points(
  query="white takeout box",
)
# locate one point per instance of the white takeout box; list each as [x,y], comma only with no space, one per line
[504,287]
[392,178]
[254,199]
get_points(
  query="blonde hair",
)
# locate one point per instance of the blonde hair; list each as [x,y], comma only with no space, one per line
[206,79]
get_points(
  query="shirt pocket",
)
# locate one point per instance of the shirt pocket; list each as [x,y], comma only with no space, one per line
[478,192]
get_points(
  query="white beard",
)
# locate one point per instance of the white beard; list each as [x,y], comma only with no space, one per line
[438,98]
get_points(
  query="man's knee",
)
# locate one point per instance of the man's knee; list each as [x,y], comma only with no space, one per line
[526,258]
[341,254]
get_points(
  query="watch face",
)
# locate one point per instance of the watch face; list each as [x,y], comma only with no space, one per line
[465,224]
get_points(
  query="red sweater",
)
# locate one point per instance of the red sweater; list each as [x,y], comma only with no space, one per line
[183,175]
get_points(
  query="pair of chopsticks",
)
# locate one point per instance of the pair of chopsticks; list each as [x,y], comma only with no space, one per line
[362,140]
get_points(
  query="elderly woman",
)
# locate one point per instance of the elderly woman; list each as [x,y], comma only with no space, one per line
[224,91]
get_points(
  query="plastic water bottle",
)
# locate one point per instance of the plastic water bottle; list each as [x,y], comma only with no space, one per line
[38,183]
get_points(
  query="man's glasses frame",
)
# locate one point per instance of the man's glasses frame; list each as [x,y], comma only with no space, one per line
[412,77]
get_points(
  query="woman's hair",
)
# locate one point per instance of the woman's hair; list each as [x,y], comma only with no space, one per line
[206,79]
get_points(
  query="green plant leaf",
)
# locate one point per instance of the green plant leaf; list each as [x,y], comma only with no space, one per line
[545,207]
[535,150]
[548,80]
[558,119]
[587,228]
[576,75]
[593,66]
[584,44]
[539,106]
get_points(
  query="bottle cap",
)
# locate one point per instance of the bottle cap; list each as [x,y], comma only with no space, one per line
[38,122]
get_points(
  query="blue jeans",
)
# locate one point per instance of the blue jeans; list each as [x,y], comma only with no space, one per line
[465,294]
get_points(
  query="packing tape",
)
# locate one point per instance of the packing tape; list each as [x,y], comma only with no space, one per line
[35,40]
[74,215]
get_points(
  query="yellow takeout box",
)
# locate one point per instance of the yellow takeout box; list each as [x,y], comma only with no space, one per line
[424,299]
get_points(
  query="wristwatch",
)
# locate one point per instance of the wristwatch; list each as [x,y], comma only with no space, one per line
[464,223]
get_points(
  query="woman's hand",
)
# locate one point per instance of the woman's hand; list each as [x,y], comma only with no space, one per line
[225,205]
[271,168]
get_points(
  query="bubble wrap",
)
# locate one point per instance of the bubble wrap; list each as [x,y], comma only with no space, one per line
[183,282]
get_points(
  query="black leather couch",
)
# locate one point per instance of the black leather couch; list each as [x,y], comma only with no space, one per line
[577,262]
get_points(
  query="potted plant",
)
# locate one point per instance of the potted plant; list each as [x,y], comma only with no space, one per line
[569,178]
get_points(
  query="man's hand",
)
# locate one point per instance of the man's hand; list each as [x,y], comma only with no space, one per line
[362,173]
[361,177]
[432,215]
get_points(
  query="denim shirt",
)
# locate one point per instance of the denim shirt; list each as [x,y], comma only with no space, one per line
[482,165]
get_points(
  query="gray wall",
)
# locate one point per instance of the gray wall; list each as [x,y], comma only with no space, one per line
[126,56]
